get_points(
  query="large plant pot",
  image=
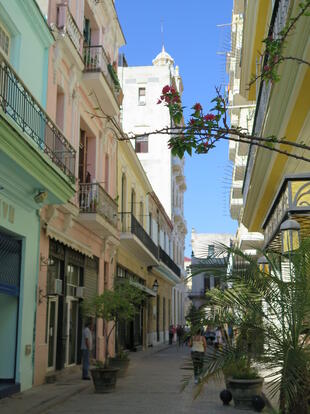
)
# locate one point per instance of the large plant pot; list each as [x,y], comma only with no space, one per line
[243,390]
[104,379]
[121,364]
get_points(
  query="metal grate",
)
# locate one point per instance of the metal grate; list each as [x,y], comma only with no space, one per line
[10,255]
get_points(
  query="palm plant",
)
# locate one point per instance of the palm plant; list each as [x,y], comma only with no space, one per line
[270,309]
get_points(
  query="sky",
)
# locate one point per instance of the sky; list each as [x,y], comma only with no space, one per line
[192,38]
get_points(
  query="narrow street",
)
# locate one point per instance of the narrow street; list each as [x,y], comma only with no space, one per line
[152,386]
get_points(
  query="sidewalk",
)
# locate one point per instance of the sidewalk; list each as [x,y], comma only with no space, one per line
[152,386]
[42,398]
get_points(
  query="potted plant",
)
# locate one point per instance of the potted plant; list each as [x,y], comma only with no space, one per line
[121,361]
[269,307]
[243,381]
[112,306]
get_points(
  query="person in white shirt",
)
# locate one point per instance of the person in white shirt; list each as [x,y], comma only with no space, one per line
[198,344]
[86,347]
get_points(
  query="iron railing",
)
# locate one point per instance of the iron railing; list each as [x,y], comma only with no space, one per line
[17,102]
[166,259]
[94,199]
[67,24]
[131,224]
[96,60]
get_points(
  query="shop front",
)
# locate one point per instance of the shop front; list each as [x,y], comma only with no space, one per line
[71,277]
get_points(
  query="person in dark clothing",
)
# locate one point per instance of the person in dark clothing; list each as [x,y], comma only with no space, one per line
[180,334]
[170,334]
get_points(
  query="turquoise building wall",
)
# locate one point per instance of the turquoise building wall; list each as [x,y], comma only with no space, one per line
[31,40]
[19,214]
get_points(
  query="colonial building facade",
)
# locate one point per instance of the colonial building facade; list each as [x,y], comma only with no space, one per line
[141,115]
[78,240]
[37,168]
[275,186]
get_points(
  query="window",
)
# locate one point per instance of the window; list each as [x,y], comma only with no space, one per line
[141,212]
[211,250]
[4,41]
[142,144]
[141,96]
[107,173]
[150,224]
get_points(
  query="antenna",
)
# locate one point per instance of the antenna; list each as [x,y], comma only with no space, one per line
[162,32]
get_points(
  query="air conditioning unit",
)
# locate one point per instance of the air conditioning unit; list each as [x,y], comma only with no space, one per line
[55,287]
[80,292]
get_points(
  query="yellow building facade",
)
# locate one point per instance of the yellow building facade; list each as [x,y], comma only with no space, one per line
[144,252]
[276,186]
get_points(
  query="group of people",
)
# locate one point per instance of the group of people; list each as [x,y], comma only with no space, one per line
[180,332]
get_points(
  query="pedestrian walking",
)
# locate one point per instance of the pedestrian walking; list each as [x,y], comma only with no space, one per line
[86,347]
[198,346]
[180,334]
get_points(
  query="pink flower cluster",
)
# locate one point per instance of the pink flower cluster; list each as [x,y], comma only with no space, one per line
[169,95]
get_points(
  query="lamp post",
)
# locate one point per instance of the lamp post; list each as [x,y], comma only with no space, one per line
[290,235]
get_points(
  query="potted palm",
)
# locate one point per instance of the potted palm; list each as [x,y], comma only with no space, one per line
[112,306]
[270,305]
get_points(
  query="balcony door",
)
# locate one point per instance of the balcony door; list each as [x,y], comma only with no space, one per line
[84,175]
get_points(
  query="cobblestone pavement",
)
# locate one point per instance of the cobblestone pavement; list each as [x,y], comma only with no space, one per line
[152,386]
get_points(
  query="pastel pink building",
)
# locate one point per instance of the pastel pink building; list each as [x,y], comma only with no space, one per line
[78,240]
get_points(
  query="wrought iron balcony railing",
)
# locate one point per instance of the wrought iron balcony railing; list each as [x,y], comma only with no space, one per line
[67,24]
[132,225]
[17,102]
[165,258]
[94,199]
[96,60]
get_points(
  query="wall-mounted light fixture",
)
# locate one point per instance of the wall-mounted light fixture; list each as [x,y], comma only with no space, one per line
[290,235]
[40,197]
[46,261]
[263,264]
[155,286]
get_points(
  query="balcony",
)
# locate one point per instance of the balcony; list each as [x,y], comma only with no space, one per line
[67,25]
[100,76]
[17,102]
[166,259]
[280,12]
[177,215]
[136,240]
[98,211]
[176,165]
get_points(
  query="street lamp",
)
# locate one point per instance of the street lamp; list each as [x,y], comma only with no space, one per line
[263,264]
[155,286]
[290,235]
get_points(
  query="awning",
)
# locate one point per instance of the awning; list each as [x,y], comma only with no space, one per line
[55,234]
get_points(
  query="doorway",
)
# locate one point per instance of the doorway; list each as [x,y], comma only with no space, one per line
[52,332]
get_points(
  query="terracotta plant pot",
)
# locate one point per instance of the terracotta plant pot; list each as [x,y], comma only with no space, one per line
[121,364]
[243,390]
[104,379]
